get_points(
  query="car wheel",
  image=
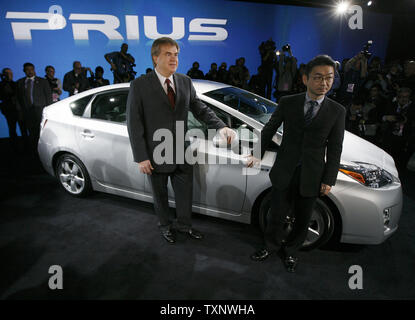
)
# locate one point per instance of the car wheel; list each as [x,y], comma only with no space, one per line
[73,175]
[321,225]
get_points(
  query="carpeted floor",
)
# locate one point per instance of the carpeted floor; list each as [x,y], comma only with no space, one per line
[110,248]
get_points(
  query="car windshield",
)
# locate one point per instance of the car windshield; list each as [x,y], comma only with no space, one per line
[245,102]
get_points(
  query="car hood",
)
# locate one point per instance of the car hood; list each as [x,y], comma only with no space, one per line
[358,149]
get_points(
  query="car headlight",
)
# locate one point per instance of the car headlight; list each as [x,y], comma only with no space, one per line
[367,174]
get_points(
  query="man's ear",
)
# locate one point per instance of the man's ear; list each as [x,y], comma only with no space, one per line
[305,78]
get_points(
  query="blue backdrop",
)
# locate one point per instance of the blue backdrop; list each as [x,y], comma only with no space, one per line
[239,28]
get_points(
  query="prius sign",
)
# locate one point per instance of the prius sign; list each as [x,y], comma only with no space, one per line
[199,29]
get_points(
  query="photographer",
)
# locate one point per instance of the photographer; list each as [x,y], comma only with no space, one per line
[287,69]
[194,72]
[75,81]
[355,73]
[97,80]
[54,83]
[222,73]
[9,106]
[268,59]
[122,64]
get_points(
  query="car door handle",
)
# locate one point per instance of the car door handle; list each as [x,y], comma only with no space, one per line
[87,134]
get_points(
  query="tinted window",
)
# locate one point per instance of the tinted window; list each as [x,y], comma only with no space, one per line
[78,106]
[110,106]
[245,102]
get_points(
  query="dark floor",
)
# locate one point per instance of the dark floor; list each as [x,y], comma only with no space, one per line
[110,248]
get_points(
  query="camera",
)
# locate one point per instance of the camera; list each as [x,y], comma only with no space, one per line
[286,48]
[365,50]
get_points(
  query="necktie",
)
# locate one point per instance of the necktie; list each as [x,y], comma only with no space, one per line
[170,93]
[309,114]
[29,87]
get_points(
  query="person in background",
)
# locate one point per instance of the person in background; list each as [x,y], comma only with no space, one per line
[54,83]
[75,81]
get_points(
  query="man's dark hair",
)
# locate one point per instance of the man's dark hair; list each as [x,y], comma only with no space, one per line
[99,68]
[47,67]
[28,64]
[321,60]
[4,70]
[73,64]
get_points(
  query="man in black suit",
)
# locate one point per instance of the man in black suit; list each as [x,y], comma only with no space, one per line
[313,129]
[33,94]
[158,100]
[75,81]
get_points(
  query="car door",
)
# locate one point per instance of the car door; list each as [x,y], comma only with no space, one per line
[103,138]
[219,183]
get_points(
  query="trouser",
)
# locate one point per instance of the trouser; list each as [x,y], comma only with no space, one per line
[182,183]
[288,202]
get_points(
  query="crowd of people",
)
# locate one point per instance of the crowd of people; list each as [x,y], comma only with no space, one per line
[378,97]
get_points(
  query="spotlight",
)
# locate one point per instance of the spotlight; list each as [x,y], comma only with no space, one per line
[342,7]
[369,3]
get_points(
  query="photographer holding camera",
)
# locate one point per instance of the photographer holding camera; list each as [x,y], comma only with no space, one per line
[97,80]
[287,70]
[268,59]
[122,64]
[355,73]
[54,83]
[75,81]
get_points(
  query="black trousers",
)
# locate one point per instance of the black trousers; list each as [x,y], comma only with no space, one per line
[182,183]
[288,203]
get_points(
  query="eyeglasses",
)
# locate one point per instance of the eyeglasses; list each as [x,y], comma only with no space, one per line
[321,78]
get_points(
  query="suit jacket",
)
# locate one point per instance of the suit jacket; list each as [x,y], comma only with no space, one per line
[42,97]
[306,144]
[148,109]
[69,81]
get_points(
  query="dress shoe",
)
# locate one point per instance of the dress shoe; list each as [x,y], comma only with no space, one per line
[169,236]
[193,233]
[260,255]
[290,263]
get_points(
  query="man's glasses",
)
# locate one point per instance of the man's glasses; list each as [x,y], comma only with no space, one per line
[321,78]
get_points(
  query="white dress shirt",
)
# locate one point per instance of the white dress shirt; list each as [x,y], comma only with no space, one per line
[162,80]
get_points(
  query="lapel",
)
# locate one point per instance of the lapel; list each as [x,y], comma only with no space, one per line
[156,85]
[177,86]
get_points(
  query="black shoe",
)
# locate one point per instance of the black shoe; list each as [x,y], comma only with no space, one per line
[193,233]
[169,236]
[290,263]
[260,255]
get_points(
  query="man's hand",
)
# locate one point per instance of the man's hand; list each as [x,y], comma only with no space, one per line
[325,189]
[252,161]
[227,134]
[113,66]
[145,167]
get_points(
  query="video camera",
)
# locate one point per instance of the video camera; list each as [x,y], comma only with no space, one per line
[365,50]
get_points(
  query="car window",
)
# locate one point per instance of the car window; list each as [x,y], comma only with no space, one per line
[245,102]
[244,131]
[78,106]
[110,106]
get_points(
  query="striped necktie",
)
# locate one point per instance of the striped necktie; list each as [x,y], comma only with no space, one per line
[310,112]
[170,93]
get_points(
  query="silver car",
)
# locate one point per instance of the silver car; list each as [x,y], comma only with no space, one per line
[84,143]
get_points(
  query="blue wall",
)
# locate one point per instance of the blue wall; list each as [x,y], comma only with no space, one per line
[310,31]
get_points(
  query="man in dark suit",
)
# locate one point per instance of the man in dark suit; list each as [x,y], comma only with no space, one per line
[75,81]
[33,94]
[158,100]
[313,129]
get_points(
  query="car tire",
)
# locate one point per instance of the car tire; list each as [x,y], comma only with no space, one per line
[73,176]
[321,224]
